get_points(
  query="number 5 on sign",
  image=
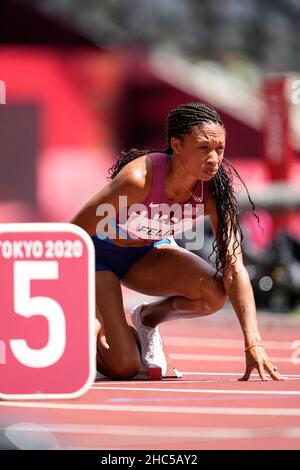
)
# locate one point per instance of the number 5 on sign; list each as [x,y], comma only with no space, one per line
[47,311]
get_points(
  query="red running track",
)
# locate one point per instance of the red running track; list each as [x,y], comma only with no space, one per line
[206,409]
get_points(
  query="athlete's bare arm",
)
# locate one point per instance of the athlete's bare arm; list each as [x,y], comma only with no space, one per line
[239,290]
[133,181]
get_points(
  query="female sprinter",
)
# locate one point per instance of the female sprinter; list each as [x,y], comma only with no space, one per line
[191,170]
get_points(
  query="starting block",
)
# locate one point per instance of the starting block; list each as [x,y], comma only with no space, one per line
[150,373]
[155,373]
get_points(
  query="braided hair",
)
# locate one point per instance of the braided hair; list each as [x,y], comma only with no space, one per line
[182,120]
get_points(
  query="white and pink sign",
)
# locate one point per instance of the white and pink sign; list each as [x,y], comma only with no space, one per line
[47,311]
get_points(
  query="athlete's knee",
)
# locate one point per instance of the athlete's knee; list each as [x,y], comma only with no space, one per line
[218,303]
[208,306]
[218,296]
[213,298]
[125,368]
[209,287]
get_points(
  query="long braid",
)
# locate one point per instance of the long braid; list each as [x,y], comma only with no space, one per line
[124,158]
[227,212]
[182,120]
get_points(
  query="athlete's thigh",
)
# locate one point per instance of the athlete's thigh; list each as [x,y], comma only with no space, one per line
[166,271]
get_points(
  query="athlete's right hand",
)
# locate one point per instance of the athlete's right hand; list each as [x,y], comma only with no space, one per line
[100,334]
[102,339]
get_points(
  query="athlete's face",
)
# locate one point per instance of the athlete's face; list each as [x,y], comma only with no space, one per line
[202,151]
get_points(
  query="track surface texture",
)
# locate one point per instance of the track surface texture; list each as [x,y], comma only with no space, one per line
[206,409]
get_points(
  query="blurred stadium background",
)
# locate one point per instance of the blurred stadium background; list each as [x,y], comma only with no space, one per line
[85,79]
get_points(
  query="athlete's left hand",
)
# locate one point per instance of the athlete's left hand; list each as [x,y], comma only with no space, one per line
[257,358]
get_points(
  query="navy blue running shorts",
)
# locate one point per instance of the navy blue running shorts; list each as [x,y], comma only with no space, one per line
[111,257]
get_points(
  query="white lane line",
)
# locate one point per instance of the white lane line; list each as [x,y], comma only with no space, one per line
[232,374]
[163,431]
[186,374]
[219,357]
[169,381]
[184,390]
[201,410]
[221,343]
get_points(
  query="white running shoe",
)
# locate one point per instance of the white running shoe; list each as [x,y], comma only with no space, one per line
[152,352]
